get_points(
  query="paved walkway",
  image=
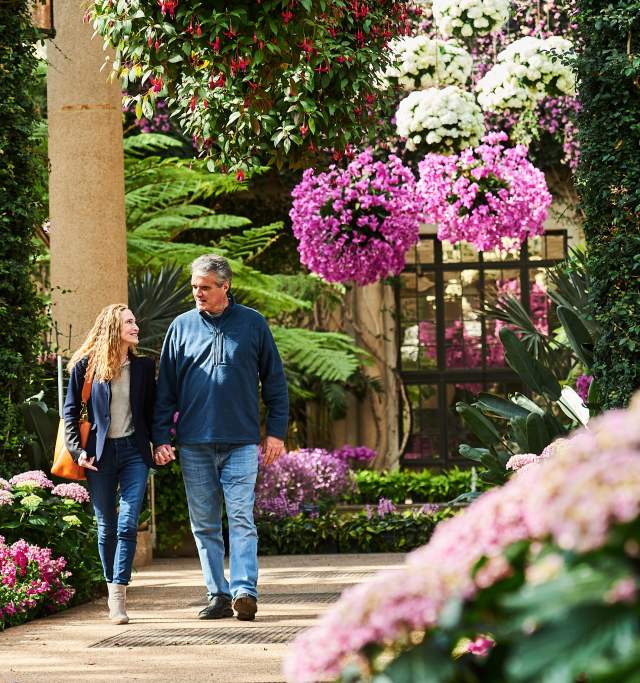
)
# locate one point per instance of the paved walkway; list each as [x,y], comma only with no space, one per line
[164,640]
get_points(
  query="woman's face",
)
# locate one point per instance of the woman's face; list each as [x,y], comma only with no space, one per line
[129,334]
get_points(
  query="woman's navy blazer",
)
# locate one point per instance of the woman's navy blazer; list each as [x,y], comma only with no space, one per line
[141,395]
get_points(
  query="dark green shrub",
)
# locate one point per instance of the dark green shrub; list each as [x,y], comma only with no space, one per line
[421,487]
[608,182]
[21,309]
[335,533]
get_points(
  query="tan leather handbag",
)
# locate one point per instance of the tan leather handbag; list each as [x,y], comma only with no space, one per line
[64,465]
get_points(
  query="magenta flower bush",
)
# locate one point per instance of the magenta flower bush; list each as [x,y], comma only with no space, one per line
[355,455]
[32,582]
[310,476]
[490,196]
[356,224]
[571,520]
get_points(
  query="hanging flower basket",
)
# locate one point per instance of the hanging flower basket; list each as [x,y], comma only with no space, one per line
[355,225]
[422,62]
[469,18]
[440,120]
[254,82]
[526,71]
[491,196]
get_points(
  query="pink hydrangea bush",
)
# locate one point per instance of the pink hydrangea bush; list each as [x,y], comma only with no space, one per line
[75,492]
[582,501]
[356,224]
[490,196]
[33,478]
[32,582]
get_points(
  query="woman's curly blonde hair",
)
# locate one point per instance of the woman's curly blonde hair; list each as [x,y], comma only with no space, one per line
[103,345]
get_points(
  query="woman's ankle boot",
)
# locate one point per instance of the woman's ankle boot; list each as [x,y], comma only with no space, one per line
[117,603]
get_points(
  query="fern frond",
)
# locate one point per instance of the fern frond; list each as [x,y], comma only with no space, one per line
[250,243]
[328,356]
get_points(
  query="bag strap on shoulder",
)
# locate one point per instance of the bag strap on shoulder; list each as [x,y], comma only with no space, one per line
[86,387]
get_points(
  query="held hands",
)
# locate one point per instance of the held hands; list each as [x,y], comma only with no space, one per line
[87,462]
[272,448]
[164,454]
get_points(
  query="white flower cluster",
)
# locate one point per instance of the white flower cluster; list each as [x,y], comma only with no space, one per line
[525,72]
[421,62]
[440,120]
[466,18]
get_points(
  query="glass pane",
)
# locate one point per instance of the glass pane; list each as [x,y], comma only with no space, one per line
[498,284]
[510,254]
[423,252]
[424,442]
[463,329]
[555,247]
[536,246]
[408,317]
[459,252]
[427,321]
[539,301]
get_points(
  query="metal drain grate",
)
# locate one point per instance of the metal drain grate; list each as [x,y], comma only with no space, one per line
[201,636]
[287,599]
[329,574]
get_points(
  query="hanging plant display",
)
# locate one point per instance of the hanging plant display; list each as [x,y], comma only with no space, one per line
[468,18]
[526,71]
[356,224]
[490,196]
[422,62]
[440,120]
[257,82]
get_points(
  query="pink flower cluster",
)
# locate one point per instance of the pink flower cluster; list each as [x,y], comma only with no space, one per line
[35,478]
[30,579]
[356,224]
[76,492]
[490,196]
[573,500]
[305,477]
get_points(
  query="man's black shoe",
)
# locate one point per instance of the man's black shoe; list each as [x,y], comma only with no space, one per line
[219,607]
[245,606]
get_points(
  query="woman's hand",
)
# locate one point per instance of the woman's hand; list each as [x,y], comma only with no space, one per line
[86,462]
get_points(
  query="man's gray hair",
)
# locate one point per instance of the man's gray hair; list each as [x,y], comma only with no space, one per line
[211,263]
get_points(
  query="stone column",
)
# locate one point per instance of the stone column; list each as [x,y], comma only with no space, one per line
[86,183]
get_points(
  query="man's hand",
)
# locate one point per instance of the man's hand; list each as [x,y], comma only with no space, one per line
[272,447]
[164,454]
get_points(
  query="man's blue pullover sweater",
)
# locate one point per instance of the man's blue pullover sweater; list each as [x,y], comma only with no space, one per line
[210,368]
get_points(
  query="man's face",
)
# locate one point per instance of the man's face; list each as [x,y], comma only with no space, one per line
[208,294]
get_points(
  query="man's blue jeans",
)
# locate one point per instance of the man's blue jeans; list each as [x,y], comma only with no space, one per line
[120,464]
[213,472]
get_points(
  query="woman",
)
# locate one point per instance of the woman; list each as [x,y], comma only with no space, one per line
[118,451]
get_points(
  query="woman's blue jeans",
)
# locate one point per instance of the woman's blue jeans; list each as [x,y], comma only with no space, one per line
[120,465]
[214,472]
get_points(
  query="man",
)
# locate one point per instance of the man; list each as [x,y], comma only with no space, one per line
[212,360]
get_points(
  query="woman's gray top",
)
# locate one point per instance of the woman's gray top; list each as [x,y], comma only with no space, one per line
[121,417]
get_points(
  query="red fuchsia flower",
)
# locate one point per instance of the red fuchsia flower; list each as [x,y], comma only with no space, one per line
[303,130]
[370,98]
[199,30]
[168,6]
[192,103]
[240,176]
[156,84]
[150,41]
[307,47]
[322,69]
[230,33]
[156,45]
[481,646]
[205,103]
[287,16]
[217,82]
[215,46]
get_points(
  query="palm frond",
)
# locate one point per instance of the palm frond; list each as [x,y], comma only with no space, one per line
[171,222]
[146,144]
[156,299]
